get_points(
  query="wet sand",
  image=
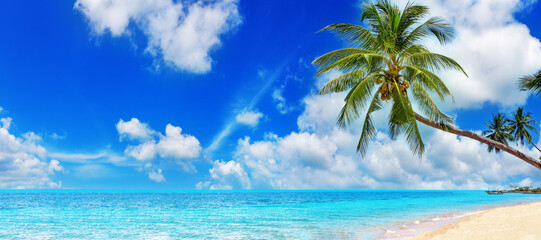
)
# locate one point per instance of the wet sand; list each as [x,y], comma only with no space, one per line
[522,222]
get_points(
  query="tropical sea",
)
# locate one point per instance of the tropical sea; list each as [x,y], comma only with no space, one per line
[150,214]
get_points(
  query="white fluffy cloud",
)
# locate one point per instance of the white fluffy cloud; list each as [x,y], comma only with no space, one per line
[296,161]
[174,145]
[156,175]
[228,175]
[492,46]
[142,152]
[320,112]
[134,130]
[250,118]
[177,145]
[181,33]
[303,160]
[23,163]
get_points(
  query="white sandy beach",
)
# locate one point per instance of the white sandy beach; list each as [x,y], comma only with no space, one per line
[515,222]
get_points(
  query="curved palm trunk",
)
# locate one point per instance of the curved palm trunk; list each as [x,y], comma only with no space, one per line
[474,136]
[534,145]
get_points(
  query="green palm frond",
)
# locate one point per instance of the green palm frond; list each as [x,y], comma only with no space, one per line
[402,121]
[531,83]
[498,130]
[411,15]
[336,55]
[354,35]
[416,48]
[371,15]
[369,131]
[429,107]
[433,61]
[343,82]
[435,26]
[427,79]
[369,60]
[401,111]
[383,59]
[413,137]
[521,124]
[356,100]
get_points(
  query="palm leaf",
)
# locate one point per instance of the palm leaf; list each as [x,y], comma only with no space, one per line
[343,82]
[354,61]
[388,48]
[356,100]
[427,79]
[531,83]
[369,131]
[355,35]
[432,61]
[435,26]
[402,120]
[429,107]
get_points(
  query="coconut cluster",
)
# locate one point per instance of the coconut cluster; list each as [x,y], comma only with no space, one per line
[388,87]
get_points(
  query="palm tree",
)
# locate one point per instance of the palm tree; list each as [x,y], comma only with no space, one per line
[520,125]
[531,83]
[384,59]
[498,130]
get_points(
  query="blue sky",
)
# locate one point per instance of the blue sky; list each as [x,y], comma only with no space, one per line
[236,77]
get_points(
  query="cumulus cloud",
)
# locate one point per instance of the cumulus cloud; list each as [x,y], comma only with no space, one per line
[173,145]
[142,152]
[23,163]
[156,175]
[181,33]
[179,147]
[229,175]
[492,46]
[320,112]
[311,162]
[304,160]
[250,118]
[134,130]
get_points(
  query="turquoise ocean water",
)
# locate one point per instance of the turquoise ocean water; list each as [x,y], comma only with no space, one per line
[85,214]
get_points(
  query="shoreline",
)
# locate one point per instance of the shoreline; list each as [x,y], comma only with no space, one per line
[408,229]
[516,221]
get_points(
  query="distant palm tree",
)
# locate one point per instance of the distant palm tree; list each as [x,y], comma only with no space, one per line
[383,61]
[498,130]
[521,124]
[531,83]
